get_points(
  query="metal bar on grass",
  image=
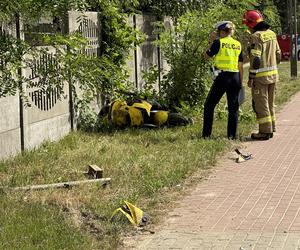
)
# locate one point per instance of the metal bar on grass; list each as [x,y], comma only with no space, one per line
[61,185]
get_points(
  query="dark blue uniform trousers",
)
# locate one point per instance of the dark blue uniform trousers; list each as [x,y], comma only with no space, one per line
[229,83]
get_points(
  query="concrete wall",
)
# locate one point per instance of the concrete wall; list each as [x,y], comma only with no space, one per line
[48,116]
[10,135]
[39,125]
[45,116]
[131,61]
[169,25]
[90,27]
[147,53]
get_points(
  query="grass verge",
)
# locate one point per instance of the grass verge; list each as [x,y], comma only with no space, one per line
[145,167]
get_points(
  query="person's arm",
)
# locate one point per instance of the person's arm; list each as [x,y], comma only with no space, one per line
[241,66]
[255,59]
[214,46]
[206,56]
[278,53]
[241,70]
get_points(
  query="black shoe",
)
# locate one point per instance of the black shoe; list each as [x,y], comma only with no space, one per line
[261,136]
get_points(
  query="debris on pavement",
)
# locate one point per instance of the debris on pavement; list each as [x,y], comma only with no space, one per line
[242,157]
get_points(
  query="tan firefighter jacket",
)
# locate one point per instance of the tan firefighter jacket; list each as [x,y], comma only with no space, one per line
[264,56]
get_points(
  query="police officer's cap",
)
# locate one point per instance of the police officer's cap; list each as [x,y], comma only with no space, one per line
[223,25]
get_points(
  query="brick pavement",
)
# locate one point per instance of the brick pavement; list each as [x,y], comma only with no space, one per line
[252,205]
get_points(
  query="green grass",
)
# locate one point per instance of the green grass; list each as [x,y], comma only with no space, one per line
[146,166]
[31,225]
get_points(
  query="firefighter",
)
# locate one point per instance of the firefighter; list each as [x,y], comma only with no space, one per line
[228,72]
[263,73]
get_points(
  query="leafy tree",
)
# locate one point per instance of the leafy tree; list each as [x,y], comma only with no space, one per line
[273,12]
[283,14]
[174,8]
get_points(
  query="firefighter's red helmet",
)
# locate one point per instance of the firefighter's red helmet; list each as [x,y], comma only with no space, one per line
[252,17]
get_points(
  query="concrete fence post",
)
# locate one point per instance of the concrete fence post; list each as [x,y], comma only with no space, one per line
[21,113]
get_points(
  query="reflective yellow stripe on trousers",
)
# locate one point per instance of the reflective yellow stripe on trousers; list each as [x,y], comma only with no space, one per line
[273,118]
[267,73]
[267,119]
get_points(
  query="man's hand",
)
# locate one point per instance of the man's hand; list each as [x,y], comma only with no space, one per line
[250,83]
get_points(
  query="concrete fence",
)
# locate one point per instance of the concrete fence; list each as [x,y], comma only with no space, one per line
[50,116]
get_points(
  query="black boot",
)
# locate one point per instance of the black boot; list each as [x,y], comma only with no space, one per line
[261,136]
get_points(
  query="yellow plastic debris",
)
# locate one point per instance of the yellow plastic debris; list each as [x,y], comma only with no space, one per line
[134,214]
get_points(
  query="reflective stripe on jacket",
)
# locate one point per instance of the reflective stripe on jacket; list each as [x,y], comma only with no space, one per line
[264,46]
[228,55]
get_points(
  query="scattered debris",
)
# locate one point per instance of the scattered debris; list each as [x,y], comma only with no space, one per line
[94,173]
[242,157]
[134,214]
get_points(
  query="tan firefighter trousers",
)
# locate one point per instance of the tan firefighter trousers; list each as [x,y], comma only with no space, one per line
[263,105]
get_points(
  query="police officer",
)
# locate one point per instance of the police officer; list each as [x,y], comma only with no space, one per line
[264,56]
[228,71]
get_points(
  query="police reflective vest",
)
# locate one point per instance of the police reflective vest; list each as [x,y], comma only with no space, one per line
[228,55]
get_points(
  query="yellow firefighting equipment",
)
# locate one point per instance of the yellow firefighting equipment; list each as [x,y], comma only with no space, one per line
[136,116]
[119,113]
[143,105]
[141,114]
[228,55]
[160,117]
[134,214]
[122,114]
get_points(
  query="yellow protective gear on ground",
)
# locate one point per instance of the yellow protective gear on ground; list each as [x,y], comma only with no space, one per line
[263,105]
[136,116]
[160,117]
[118,105]
[122,114]
[143,105]
[133,213]
[119,113]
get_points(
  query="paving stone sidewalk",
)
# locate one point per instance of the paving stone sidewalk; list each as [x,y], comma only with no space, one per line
[252,205]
